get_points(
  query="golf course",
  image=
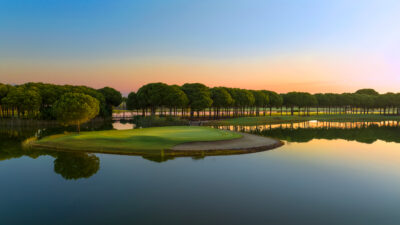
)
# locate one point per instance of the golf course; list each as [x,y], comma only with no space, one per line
[155,140]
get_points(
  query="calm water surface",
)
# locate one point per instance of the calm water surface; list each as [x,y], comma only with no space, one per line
[323,175]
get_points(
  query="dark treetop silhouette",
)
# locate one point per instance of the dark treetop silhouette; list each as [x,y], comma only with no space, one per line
[37,100]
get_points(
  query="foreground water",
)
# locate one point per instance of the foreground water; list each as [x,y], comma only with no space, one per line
[325,174]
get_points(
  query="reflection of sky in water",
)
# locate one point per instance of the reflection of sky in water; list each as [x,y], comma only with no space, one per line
[319,182]
[315,182]
[377,161]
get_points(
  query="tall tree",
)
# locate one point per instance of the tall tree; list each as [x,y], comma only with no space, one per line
[75,109]
[221,99]
[152,96]
[132,102]
[4,89]
[242,99]
[24,100]
[275,100]
[261,100]
[175,98]
[290,100]
[113,97]
[309,101]
[322,101]
[199,97]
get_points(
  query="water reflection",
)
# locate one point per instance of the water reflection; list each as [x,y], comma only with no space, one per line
[164,158]
[73,166]
[22,131]
[76,165]
[318,182]
[69,165]
[364,132]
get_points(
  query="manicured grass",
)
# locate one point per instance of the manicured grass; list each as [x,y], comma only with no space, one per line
[136,141]
[260,120]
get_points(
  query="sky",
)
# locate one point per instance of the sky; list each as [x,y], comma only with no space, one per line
[281,45]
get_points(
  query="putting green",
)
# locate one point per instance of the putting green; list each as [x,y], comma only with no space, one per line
[135,141]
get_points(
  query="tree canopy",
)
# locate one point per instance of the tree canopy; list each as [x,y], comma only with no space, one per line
[132,101]
[152,96]
[221,97]
[112,96]
[175,97]
[37,100]
[199,96]
[76,108]
[23,100]
[367,91]
[261,99]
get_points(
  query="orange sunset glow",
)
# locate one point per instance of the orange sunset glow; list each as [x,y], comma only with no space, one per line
[282,74]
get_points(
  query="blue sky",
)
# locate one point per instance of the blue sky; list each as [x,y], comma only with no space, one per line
[76,33]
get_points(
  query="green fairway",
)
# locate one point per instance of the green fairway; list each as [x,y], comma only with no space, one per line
[261,120]
[136,141]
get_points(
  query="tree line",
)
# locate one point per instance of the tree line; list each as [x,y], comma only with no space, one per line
[194,99]
[39,100]
[46,101]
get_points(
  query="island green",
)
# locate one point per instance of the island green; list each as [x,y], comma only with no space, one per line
[136,141]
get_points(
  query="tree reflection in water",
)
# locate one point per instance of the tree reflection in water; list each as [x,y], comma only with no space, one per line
[73,166]
[364,132]
[164,158]
[76,165]
[69,165]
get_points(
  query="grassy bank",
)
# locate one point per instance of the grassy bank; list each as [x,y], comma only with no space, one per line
[260,120]
[145,141]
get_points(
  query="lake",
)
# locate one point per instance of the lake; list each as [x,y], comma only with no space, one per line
[326,173]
